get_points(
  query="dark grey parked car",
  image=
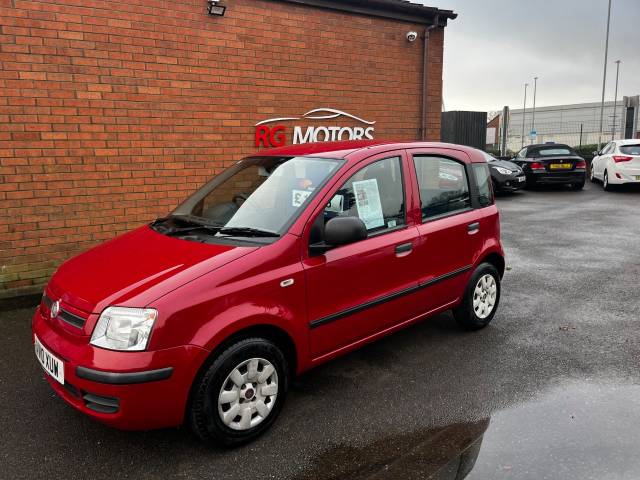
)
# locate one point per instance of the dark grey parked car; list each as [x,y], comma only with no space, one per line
[505,175]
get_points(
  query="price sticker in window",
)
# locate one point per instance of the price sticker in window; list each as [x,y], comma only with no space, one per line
[298,197]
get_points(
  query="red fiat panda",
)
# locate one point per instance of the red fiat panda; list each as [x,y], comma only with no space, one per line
[284,261]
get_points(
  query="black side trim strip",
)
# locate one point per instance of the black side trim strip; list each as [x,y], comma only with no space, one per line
[114,378]
[387,298]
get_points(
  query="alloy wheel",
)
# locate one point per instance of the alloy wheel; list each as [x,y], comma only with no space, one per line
[484,296]
[248,394]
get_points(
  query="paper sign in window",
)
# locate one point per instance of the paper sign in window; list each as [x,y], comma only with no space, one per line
[368,203]
[299,196]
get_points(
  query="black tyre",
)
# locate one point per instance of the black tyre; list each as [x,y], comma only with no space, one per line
[591,175]
[481,298]
[605,182]
[578,186]
[240,394]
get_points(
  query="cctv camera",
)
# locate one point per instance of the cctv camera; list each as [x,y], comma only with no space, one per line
[412,36]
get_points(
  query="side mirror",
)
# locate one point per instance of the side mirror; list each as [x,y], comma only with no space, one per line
[340,231]
[596,153]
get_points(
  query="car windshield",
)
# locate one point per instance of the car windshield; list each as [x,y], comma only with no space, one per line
[257,197]
[630,149]
[551,151]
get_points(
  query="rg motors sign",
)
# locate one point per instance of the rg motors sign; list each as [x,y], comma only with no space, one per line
[274,132]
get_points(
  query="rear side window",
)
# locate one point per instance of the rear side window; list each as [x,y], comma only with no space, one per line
[483,182]
[375,194]
[630,149]
[443,185]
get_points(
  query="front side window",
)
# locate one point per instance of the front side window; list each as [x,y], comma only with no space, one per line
[443,184]
[257,197]
[375,194]
[483,182]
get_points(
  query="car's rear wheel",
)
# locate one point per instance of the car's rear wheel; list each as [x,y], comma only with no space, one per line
[240,394]
[480,300]
[605,182]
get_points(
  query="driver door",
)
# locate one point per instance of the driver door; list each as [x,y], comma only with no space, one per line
[357,290]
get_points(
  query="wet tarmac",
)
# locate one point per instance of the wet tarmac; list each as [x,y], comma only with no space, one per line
[551,390]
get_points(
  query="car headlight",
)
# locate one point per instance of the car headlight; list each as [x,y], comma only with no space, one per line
[123,328]
[503,171]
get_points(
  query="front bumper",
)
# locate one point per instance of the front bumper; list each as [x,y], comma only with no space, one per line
[508,183]
[125,390]
[555,178]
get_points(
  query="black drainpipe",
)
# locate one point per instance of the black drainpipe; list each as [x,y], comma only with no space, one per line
[425,76]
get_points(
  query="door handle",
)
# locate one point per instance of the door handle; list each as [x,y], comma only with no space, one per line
[404,248]
[473,228]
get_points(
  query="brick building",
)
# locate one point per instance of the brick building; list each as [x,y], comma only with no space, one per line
[112,112]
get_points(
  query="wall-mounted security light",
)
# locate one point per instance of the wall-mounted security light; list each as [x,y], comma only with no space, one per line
[215,8]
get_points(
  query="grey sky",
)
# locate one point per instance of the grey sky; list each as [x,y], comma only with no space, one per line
[495,46]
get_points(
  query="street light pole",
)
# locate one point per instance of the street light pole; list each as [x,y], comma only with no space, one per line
[615,102]
[524,112]
[535,90]
[604,76]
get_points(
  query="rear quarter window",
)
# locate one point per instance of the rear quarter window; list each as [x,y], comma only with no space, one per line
[483,182]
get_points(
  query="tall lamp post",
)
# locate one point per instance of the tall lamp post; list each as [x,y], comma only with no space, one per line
[604,76]
[615,102]
[533,119]
[524,112]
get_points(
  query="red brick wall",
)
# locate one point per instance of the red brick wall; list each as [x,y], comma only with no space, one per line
[112,112]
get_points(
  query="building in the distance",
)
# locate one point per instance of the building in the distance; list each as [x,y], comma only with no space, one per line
[112,113]
[575,125]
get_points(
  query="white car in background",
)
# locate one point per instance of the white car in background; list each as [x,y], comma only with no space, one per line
[617,163]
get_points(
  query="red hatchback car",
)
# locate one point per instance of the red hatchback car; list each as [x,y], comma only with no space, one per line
[282,262]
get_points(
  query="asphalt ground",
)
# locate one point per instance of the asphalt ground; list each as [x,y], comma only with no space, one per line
[548,390]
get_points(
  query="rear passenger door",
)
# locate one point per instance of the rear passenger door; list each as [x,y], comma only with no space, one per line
[450,226]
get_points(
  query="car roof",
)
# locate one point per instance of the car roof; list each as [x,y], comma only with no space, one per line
[549,145]
[628,141]
[355,150]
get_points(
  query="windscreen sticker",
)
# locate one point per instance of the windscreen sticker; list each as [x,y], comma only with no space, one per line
[368,203]
[299,196]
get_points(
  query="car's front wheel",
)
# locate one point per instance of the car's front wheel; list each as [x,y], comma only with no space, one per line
[480,300]
[240,394]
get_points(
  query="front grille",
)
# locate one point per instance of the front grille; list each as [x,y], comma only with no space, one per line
[47,301]
[64,315]
[71,318]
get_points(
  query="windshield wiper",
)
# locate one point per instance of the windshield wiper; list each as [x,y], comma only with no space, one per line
[246,232]
[208,228]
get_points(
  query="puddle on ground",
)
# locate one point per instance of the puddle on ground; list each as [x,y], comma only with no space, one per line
[578,431]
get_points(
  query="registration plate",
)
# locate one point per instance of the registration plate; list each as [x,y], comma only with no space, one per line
[51,364]
[521,179]
[560,166]
[637,177]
